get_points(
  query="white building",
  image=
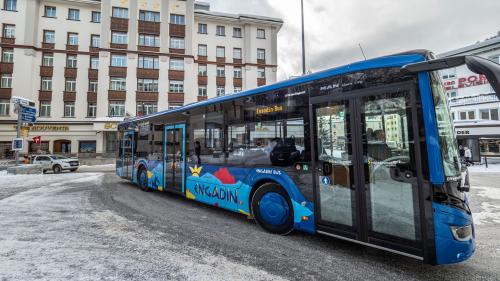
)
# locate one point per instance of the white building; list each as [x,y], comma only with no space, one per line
[475,107]
[88,64]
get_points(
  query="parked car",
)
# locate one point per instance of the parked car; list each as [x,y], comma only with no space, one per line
[56,163]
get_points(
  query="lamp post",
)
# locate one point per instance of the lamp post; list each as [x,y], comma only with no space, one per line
[303,40]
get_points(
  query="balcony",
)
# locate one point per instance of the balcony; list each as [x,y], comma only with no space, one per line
[177,51]
[202,58]
[117,95]
[119,24]
[70,72]
[149,27]
[176,97]
[46,71]
[69,96]
[117,71]
[44,95]
[148,48]
[6,68]
[202,80]
[237,61]
[11,41]
[177,30]
[148,73]
[5,93]
[118,46]
[93,74]
[50,46]
[176,75]
[221,60]
[202,98]
[91,97]
[93,49]
[238,82]
[220,81]
[146,96]
[71,47]
[261,61]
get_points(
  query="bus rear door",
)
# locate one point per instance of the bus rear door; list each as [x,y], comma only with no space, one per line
[366,171]
[128,154]
[175,155]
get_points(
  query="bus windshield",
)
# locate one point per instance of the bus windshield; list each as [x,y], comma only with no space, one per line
[447,139]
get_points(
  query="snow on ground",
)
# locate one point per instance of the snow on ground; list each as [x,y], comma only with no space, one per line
[97,168]
[489,210]
[492,168]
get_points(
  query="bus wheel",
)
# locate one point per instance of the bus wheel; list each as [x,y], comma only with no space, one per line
[143,179]
[272,209]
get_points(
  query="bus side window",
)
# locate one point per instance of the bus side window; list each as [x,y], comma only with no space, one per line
[207,133]
[157,140]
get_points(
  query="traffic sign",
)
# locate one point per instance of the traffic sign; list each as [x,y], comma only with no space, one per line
[28,114]
[17,144]
[22,101]
[37,140]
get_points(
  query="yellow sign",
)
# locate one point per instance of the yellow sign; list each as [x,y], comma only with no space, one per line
[110,126]
[25,131]
[269,109]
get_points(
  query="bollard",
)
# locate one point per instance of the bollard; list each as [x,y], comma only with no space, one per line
[486,161]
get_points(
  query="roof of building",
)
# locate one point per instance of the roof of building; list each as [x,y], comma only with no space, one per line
[203,8]
[480,47]
[397,60]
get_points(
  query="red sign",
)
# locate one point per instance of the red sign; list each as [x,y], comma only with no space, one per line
[37,139]
[465,82]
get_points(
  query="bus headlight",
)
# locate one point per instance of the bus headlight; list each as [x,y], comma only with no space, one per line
[462,233]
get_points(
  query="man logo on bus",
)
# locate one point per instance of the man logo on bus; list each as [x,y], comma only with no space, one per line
[195,171]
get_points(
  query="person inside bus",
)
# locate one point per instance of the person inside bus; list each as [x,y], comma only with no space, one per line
[197,152]
[378,149]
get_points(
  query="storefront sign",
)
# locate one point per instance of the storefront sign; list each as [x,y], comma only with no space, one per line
[48,128]
[110,126]
[465,82]
[463,132]
[478,131]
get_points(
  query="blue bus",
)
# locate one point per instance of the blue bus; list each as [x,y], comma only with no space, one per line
[364,152]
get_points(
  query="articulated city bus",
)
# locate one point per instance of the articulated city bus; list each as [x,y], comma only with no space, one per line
[364,152]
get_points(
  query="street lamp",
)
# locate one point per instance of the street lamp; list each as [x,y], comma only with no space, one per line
[303,40]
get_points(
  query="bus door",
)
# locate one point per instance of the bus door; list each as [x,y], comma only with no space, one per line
[175,152]
[128,154]
[366,171]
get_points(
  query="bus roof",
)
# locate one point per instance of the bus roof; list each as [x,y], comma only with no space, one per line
[396,60]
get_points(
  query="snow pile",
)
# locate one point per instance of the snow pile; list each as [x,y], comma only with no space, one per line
[492,168]
[490,210]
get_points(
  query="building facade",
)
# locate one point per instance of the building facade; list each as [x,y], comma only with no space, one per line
[474,105]
[89,64]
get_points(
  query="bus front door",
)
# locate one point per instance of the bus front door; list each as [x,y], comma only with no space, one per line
[366,169]
[128,155]
[175,151]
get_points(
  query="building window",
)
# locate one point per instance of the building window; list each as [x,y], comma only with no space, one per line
[9,31]
[149,16]
[72,39]
[147,85]
[237,89]
[494,114]
[202,28]
[261,33]
[463,115]
[261,73]
[221,91]
[69,109]
[45,109]
[7,55]
[116,109]
[73,14]
[237,53]
[202,70]
[70,85]
[177,43]
[4,107]
[71,61]
[221,30]
[146,108]
[49,36]
[237,32]
[87,146]
[149,40]
[118,60]
[221,52]
[10,5]
[94,62]
[237,72]
[471,115]
[46,84]
[177,19]
[202,91]
[117,84]
[176,87]
[177,64]
[449,73]
[48,59]
[95,41]
[96,17]
[6,81]
[91,109]
[119,37]
[50,12]
[121,13]
[261,54]
[202,50]
[93,84]
[221,71]
[146,62]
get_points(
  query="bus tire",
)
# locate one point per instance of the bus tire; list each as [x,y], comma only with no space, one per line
[273,209]
[142,179]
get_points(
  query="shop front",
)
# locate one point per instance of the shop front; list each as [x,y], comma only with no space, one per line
[482,140]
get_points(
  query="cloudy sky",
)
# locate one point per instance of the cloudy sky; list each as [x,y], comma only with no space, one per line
[335,27]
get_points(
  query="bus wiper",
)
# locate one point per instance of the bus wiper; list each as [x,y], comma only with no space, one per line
[476,64]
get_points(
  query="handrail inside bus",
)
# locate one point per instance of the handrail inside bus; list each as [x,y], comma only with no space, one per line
[476,64]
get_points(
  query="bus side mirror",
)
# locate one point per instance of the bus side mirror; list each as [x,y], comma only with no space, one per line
[486,67]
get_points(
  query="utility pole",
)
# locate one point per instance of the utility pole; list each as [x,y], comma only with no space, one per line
[19,109]
[303,40]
